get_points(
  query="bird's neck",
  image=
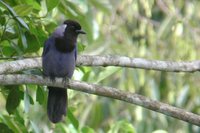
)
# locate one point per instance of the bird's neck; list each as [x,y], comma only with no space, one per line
[65,44]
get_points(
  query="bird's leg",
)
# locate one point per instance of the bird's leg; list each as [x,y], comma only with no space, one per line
[52,78]
[65,81]
[44,76]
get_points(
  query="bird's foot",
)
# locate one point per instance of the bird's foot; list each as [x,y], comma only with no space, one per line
[44,76]
[52,78]
[65,81]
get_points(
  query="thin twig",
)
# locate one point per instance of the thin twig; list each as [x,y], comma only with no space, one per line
[107,92]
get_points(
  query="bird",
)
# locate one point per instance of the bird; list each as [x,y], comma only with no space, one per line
[59,60]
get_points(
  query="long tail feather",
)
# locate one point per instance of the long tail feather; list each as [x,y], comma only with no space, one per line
[57,103]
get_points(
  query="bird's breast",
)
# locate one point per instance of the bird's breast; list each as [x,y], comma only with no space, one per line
[59,64]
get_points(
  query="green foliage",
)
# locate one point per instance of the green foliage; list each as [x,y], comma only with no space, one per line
[13,99]
[163,30]
[72,119]
[15,15]
[23,10]
[16,124]
[122,127]
[40,95]
[87,130]
[51,4]
[4,128]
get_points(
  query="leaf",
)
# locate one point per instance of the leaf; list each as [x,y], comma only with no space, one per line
[122,127]
[31,100]
[50,27]
[97,108]
[19,117]
[102,5]
[26,101]
[155,91]
[182,96]
[7,49]
[9,34]
[86,76]
[39,33]
[23,10]
[61,128]
[5,129]
[2,20]
[23,40]
[13,99]
[16,17]
[34,3]
[40,95]
[73,120]
[33,45]
[35,127]
[37,29]
[9,122]
[81,47]
[106,73]
[165,27]
[14,124]
[52,4]
[74,8]
[87,130]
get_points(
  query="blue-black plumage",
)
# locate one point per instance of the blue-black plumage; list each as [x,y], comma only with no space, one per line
[59,60]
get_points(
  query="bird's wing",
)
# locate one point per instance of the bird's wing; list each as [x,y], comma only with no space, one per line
[75,53]
[46,47]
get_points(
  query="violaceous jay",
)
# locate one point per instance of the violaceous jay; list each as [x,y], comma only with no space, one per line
[59,60]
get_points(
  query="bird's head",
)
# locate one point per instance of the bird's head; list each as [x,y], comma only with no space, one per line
[73,27]
[69,29]
[67,33]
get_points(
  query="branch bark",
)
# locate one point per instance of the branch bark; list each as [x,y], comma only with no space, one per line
[107,92]
[120,61]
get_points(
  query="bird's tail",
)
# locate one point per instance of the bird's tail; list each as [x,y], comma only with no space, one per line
[57,103]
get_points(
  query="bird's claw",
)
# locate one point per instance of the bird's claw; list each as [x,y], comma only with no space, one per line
[52,78]
[65,81]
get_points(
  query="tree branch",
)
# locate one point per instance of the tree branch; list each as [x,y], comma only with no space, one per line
[107,92]
[120,61]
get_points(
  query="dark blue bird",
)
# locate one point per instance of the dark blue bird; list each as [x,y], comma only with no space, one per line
[59,60]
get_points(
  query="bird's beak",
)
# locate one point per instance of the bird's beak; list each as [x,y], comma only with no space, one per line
[80,32]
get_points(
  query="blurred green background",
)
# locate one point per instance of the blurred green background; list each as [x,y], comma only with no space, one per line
[150,29]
